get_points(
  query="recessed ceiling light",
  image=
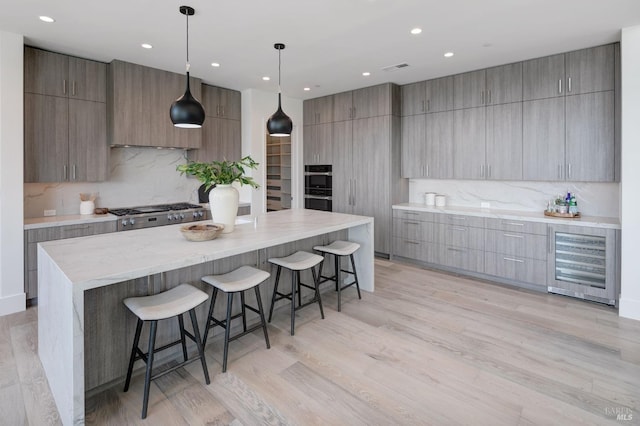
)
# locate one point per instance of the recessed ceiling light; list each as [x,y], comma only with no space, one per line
[146,46]
[215,64]
[448,54]
[366,74]
[306,89]
[416,31]
[265,78]
[46,19]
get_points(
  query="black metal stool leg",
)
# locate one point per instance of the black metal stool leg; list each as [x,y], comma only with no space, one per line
[147,377]
[316,281]
[275,292]
[227,329]
[196,334]
[244,312]
[182,339]
[299,289]
[338,283]
[355,275]
[132,359]
[209,317]
[264,324]
[293,301]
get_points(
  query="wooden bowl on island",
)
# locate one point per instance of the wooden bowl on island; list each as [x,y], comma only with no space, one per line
[201,232]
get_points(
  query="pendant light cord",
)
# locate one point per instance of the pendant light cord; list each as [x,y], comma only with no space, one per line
[279,87]
[188,65]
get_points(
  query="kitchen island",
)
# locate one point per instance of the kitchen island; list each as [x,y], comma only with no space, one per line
[84,332]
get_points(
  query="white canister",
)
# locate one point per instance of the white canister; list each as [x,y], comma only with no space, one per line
[430,198]
[440,201]
[87,207]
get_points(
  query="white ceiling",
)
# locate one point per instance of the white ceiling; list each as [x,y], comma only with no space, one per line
[329,42]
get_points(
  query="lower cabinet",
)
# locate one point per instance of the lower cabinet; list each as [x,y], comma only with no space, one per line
[34,236]
[515,268]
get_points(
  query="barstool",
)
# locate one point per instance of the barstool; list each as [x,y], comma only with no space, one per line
[296,262]
[170,303]
[237,281]
[339,249]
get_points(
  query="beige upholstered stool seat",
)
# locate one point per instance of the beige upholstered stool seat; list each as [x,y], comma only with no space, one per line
[298,261]
[167,304]
[339,248]
[241,279]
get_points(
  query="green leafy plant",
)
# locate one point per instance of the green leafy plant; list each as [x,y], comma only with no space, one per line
[220,172]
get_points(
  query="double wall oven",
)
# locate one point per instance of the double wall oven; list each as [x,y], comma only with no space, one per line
[318,186]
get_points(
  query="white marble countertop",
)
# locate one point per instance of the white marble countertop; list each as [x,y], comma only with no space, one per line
[104,259]
[594,221]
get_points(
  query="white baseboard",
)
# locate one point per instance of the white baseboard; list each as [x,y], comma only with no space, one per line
[629,308]
[12,304]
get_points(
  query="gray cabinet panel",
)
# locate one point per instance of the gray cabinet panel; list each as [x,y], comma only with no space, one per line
[318,110]
[469,143]
[343,106]
[439,94]
[590,70]
[459,258]
[414,230]
[543,78]
[460,236]
[510,225]
[543,139]
[372,101]
[220,141]
[318,145]
[414,142]
[504,142]
[439,145]
[458,219]
[413,98]
[88,80]
[516,268]
[88,149]
[590,143]
[469,89]
[516,244]
[414,215]
[504,84]
[410,249]
[220,102]
[46,73]
[342,134]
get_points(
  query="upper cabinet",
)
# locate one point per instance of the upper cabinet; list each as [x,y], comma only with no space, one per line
[221,103]
[543,77]
[469,89]
[374,101]
[493,86]
[65,118]
[427,96]
[139,99]
[318,110]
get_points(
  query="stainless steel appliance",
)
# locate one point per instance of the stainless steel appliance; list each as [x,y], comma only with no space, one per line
[158,215]
[318,187]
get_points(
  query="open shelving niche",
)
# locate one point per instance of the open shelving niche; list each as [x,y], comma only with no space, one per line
[278,173]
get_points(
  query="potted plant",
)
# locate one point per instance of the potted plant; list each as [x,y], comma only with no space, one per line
[223,198]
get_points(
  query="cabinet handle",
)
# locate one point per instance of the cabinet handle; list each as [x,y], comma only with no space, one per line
[64,171]
[412,223]
[73,88]
[560,86]
[355,194]
[354,112]
[458,218]
[569,85]
[510,259]
[569,171]
[224,113]
[513,236]
[427,170]
[411,214]
[350,192]
[489,171]
[559,171]
[456,250]
[482,98]
[73,172]
[457,228]
[513,223]
[422,102]
[481,170]
[489,102]
[428,105]
[549,239]
[64,86]
[411,242]
[217,109]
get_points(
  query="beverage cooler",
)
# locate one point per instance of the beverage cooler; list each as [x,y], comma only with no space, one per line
[583,263]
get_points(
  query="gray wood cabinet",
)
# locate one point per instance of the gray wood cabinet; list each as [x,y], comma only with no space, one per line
[469,89]
[543,139]
[221,140]
[34,236]
[543,77]
[440,145]
[414,146]
[590,70]
[139,99]
[342,180]
[65,118]
[504,84]
[413,98]
[318,110]
[504,142]
[318,144]
[220,102]
[427,96]
[469,143]
[368,102]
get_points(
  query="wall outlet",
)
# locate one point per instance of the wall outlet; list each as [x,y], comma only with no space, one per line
[485,205]
[49,212]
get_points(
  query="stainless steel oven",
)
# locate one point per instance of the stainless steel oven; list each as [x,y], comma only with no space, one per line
[318,187]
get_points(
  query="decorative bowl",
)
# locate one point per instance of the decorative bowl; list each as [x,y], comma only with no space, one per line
[200,232]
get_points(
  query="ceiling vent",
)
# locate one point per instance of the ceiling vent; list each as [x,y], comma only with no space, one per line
[395,67]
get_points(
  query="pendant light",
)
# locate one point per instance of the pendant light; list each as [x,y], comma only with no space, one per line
[186,111]
[279,124]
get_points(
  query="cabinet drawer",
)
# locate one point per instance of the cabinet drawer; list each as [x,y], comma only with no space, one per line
[516,268]
[538,228]
[32,256]
[516,244]
[409,249]
[460,236]
[274,205]
[413,230]
[414,215]
[457,219]
[456,257]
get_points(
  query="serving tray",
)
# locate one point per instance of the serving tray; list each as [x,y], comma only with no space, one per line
[563,215]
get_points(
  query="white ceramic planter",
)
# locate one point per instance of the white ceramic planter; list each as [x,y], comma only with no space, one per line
[223,202]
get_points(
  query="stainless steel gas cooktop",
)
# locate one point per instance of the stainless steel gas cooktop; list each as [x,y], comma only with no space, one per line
[158,215]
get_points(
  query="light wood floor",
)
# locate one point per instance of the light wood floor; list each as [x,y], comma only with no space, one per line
[425,348]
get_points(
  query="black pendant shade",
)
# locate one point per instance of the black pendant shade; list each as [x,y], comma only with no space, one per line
[186,111]
[279,124]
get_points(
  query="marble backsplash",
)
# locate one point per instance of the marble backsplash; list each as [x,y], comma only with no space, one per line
[139,176]
[594,199]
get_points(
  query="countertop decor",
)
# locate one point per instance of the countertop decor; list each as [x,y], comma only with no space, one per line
[200,232]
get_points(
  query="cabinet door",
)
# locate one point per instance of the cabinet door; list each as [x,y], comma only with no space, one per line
[543,139]
[230,104]
[440,94]
[469,89]
[126,89]
[46,73]
[372,101]
[413,98]
[469,143]
[318,144]
[543,78]
[439,145]
[46,136]
[342,136]
[590,137]
[590,70]
[88,150]
[210,100]
[342,106]
[220,141]
[504,142]
[504,84]
[308,112]
[88,80]
[413,146]
[371,167]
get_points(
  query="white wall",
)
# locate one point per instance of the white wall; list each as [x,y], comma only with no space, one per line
[257,107]
[630,178]
[12,296]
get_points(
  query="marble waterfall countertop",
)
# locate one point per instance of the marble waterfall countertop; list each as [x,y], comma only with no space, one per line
[594,221]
